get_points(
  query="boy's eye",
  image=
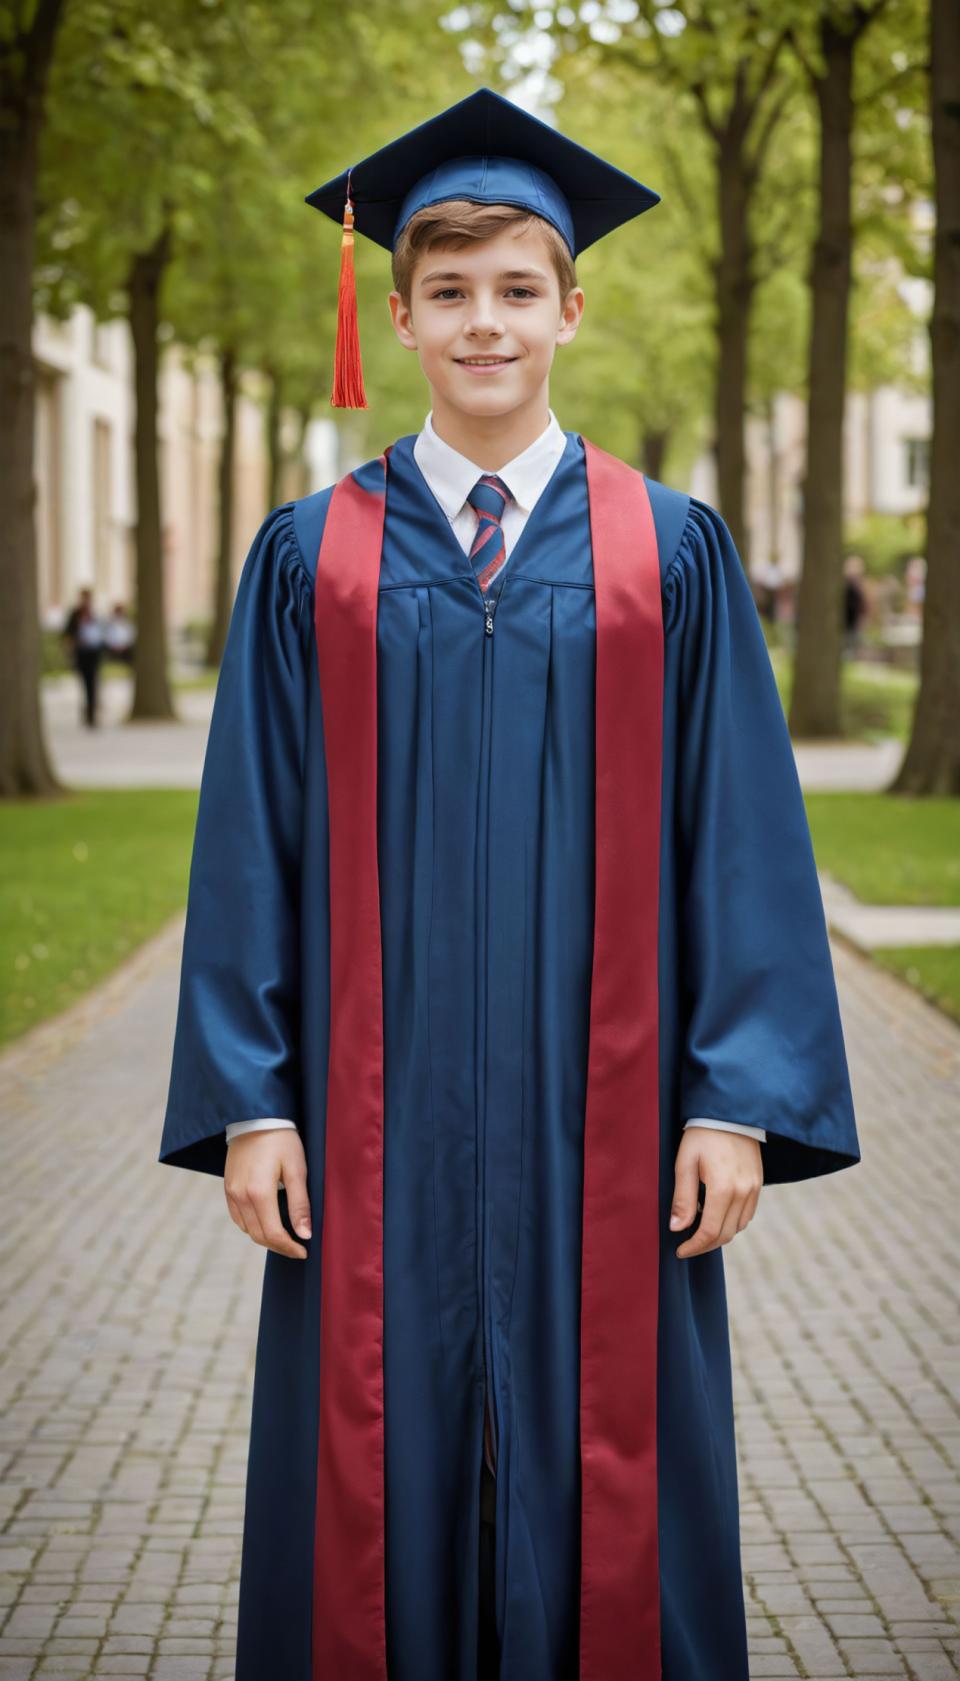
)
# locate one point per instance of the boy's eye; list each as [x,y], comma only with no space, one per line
[448,291]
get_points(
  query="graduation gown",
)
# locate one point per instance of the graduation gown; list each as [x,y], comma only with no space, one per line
[489,914]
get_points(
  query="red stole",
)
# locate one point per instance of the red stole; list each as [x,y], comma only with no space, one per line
[620,1580]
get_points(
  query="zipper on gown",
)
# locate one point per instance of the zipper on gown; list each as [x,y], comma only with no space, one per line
[489,1430]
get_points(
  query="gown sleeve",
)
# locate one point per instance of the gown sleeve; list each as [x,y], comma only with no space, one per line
[235,1051]
[762,1042]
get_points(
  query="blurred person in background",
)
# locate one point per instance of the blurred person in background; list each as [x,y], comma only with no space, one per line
[769,580]
[914,584]
[854,604]
[119,634]
[83,634]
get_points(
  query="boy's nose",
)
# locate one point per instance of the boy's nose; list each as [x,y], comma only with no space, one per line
[484,317]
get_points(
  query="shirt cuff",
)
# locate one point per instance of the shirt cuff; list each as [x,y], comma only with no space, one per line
[233,1127]
[728,1126]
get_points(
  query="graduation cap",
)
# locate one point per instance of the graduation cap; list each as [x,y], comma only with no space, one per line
[485,149]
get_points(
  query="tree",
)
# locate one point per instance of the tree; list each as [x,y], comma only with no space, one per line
[245,285]
[932,761]
[724,65]
[838,28]
[28,35]
[637,377]
[124,172]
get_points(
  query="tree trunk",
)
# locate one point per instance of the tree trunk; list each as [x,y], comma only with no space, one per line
[932,761]
[274,447]
[815,698]
[304,416]
[653,451]
[734,286]
[25,767]
[774,490]
[223,583]
[151,689]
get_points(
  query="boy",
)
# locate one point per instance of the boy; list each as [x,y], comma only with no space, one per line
[504,936]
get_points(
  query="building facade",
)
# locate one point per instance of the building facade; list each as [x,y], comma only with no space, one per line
[85,473]
[886,456]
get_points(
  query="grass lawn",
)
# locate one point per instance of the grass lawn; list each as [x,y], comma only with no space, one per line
[113,668]
[86,879]
[202,680]
[876,700]
[934,970]
[888,850]
[83,881]
[892,851]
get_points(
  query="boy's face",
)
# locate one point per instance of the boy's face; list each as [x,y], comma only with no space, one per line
[498,298]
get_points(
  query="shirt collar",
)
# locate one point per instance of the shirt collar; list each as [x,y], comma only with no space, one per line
[451,475]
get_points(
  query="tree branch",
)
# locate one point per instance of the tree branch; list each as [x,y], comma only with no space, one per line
[867,99]
[754,160]
[775,253]
[688,198]
[766,74]
[813,75]
[43,33]
[710,123]
[869,13]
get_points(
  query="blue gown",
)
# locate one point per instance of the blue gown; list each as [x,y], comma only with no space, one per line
[494,780]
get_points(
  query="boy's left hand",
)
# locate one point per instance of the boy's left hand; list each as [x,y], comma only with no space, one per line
[731,1167]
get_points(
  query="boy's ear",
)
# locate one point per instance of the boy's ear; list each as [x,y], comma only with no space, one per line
[402,320]
[571,314]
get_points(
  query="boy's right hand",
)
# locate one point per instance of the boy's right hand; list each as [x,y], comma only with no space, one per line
[257,1163]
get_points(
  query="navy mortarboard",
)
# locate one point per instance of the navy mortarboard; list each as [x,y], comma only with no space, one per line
[485,149]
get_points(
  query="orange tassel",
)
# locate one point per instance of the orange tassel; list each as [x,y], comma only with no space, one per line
[348,392]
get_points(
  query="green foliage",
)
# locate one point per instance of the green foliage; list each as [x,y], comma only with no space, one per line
[217,120]
[639,365]
[654,85]
[135,117]
[886,541]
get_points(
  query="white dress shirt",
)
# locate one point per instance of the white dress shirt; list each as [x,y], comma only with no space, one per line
[451,476]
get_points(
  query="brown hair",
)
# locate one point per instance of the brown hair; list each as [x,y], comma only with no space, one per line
[457,222]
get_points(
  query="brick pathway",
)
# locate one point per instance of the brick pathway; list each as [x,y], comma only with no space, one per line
[128,1327]
[843,1299]
[130,1303]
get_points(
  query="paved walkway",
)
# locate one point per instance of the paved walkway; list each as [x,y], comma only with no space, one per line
[869,926]
[121,755]
[848,767]
[128,1330]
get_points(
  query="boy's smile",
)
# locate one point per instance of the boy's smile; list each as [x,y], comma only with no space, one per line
[485,364]
[485,320]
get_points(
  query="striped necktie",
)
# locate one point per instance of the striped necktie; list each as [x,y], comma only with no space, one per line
[488,553]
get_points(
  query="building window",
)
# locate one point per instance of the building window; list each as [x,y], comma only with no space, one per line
[917,462]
